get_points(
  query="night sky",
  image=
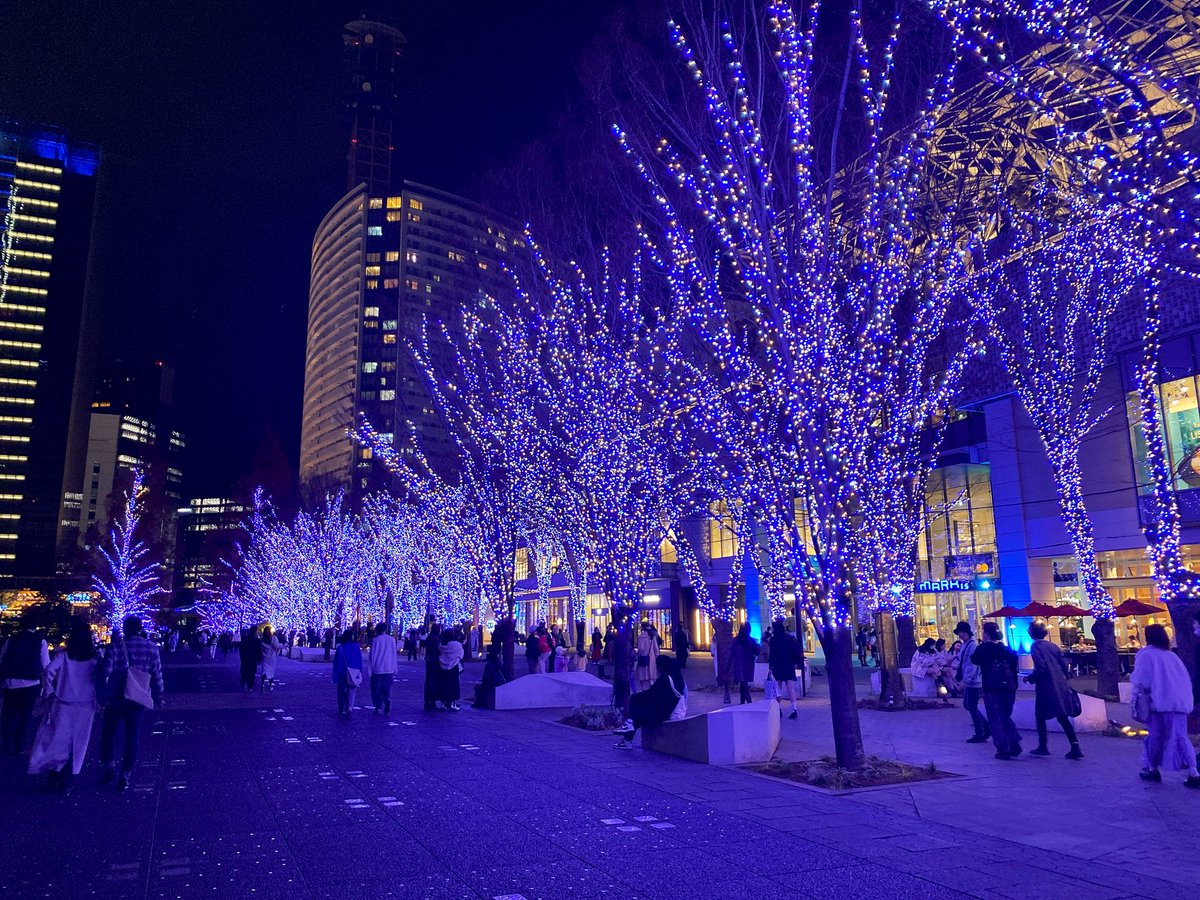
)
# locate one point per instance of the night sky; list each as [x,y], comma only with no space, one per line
[219,123]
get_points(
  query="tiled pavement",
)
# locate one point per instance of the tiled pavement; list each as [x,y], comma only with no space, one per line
[271,795]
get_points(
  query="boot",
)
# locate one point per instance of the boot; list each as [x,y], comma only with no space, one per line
[1074,752]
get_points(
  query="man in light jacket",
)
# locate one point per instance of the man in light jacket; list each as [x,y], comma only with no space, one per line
[383,669]
[970,676]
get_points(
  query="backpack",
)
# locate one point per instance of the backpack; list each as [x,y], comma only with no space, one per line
[1004,676]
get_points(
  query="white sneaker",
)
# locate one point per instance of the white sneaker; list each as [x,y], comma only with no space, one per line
[623,744]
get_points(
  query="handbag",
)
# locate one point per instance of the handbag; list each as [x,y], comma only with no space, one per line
[1074,704]
[644,661]
[770,688]
[137,683]
[353,677]
[1139,706]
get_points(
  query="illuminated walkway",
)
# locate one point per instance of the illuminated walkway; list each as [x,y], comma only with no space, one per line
[273,796]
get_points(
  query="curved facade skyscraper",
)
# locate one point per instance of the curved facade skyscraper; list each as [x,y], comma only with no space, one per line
[334,308]
[379,265]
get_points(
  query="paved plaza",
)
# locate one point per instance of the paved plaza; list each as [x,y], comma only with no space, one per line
[272,795]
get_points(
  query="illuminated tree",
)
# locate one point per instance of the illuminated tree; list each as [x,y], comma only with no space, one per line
[1069,263]
[828,297]
[131,581]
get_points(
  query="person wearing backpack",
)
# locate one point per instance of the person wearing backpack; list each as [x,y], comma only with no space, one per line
[998,665]
[131,662]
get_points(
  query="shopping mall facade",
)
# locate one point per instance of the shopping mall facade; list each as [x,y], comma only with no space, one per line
[993,535]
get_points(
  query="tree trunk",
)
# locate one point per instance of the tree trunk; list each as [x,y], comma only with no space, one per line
[622,657]
[906,639]
[1183,614]
[891,682]
[1108,670]
[506,632]
[843,704]
[722,647]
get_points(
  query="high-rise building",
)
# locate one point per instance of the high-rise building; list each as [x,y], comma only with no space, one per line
[132,425]
[47,200]
[382,259]
[209,529]
[371,50]
[380,264]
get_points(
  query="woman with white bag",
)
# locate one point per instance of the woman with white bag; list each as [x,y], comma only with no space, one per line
[1162,699]
[70,689]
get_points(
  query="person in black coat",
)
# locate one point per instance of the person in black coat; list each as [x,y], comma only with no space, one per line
[658,703]
[250,654]
[433,667]
[998,664]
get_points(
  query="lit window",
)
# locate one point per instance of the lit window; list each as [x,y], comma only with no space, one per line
[389,339]
[372,270]
[372,257]
[413,217]
[369,367]
[429,288]
[389,325]
[387,395]
[414,203]
[394,202]
[394,215]
[412,284]
[391,283]
[372,284]
[375,203]
[392,256]
[371,312]
[375,230]
[454,256]
[410,256]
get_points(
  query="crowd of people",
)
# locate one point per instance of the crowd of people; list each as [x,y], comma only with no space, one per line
[63,691]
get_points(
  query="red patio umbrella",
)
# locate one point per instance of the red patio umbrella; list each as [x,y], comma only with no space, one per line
[1005,612]
[1139,608]
[1069,610]
[1037,610]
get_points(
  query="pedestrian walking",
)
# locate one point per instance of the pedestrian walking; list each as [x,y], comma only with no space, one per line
[268,653]
[745,654]
[860,642]
[131,667]
[597,651]
[433,670]
[23,659]
[249,654]
[1163,700]
[62,739]
[970,676]
[347,671]
[1054,698]
[681,643]
[383,670]
[998,665]
[646,668]
[786,655]
[450,659]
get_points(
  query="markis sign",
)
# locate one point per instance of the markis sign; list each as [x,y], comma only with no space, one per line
[946,584]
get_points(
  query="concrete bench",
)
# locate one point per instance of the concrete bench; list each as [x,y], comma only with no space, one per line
[913,687]
[1094,716]
[552,690]
[731,735]
[308,654]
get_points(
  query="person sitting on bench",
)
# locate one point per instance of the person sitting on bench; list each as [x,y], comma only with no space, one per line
[665,700]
